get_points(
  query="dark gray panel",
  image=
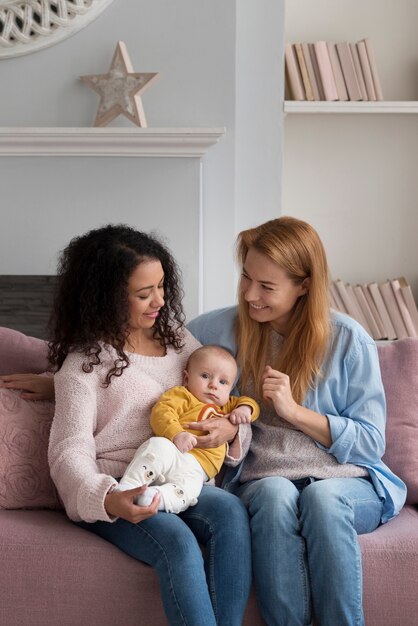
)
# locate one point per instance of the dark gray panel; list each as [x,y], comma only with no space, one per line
[25,303]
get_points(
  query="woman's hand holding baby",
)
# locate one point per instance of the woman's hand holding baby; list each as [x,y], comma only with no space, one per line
[122,504]
[218,431]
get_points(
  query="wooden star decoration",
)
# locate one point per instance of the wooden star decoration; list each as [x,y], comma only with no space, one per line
[119,89]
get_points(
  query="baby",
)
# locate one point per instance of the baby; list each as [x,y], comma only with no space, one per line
[171,462]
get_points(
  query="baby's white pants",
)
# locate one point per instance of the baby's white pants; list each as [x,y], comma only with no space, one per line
[177,475]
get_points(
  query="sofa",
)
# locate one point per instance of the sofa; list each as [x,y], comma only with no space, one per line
[54,573]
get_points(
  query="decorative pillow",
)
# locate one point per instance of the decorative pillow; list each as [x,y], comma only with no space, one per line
[399,366]
[20,354]
[25,481]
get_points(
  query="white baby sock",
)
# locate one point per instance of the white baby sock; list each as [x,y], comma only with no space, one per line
[145,499]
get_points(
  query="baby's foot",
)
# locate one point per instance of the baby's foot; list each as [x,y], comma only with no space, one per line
[145,499]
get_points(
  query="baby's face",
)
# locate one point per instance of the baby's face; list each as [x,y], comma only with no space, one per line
[210,378]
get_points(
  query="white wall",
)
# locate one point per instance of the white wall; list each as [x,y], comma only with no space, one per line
[87,193]
[220,65]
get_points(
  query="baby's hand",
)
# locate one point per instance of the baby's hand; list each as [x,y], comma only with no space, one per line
[184,441]
[241,415]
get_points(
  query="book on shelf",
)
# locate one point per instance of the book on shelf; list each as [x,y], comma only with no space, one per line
[374,329]
[373,69]
[360,316]
[337,71]
[383,312]
[389,299]
[303,71]
[386,310]
[359,72]
[409,299]
[311,71]
[293,75]
[325,70]
[344,297]
[350,303]
[411,329]
[375,312]
[336,300]
[349,70]
[365,68]
[315,66]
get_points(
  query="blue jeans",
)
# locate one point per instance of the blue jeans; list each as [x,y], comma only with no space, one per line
[305,547]
[197,589]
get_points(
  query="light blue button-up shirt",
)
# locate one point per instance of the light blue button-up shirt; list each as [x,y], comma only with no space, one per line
[350,393]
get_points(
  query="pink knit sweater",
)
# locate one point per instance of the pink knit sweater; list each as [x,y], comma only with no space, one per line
[96,430]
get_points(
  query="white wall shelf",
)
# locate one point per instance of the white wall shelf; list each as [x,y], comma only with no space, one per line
[111,142]
[326,107]
[349,168]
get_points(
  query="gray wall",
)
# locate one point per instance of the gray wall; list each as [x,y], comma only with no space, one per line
[220,64]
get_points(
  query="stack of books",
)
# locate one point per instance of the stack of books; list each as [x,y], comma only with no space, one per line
[327,70]
[386,310]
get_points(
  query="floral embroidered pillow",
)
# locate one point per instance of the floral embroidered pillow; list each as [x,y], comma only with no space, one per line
[25,481]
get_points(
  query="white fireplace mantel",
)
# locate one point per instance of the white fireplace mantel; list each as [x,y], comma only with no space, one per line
[111,142]
[71,195]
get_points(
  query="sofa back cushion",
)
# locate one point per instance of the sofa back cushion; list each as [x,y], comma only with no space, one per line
[399,366]
[20,354]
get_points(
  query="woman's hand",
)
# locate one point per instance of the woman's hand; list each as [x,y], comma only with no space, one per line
[33,386]
[219,431]
[276,387]
[121,504]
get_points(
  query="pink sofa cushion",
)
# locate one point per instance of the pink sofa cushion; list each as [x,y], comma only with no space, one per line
[20,354]
[399,366]
[24,473]
[390,571]
[55,573]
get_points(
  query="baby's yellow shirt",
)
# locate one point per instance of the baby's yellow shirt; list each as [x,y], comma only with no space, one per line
[177,407]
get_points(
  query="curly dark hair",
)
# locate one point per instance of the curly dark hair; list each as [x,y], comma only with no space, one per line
[91,300]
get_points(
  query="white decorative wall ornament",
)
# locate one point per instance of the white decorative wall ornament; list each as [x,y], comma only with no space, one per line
[29,25]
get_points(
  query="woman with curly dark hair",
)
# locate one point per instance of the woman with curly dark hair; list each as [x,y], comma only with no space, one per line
[117,342]
[90,304]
